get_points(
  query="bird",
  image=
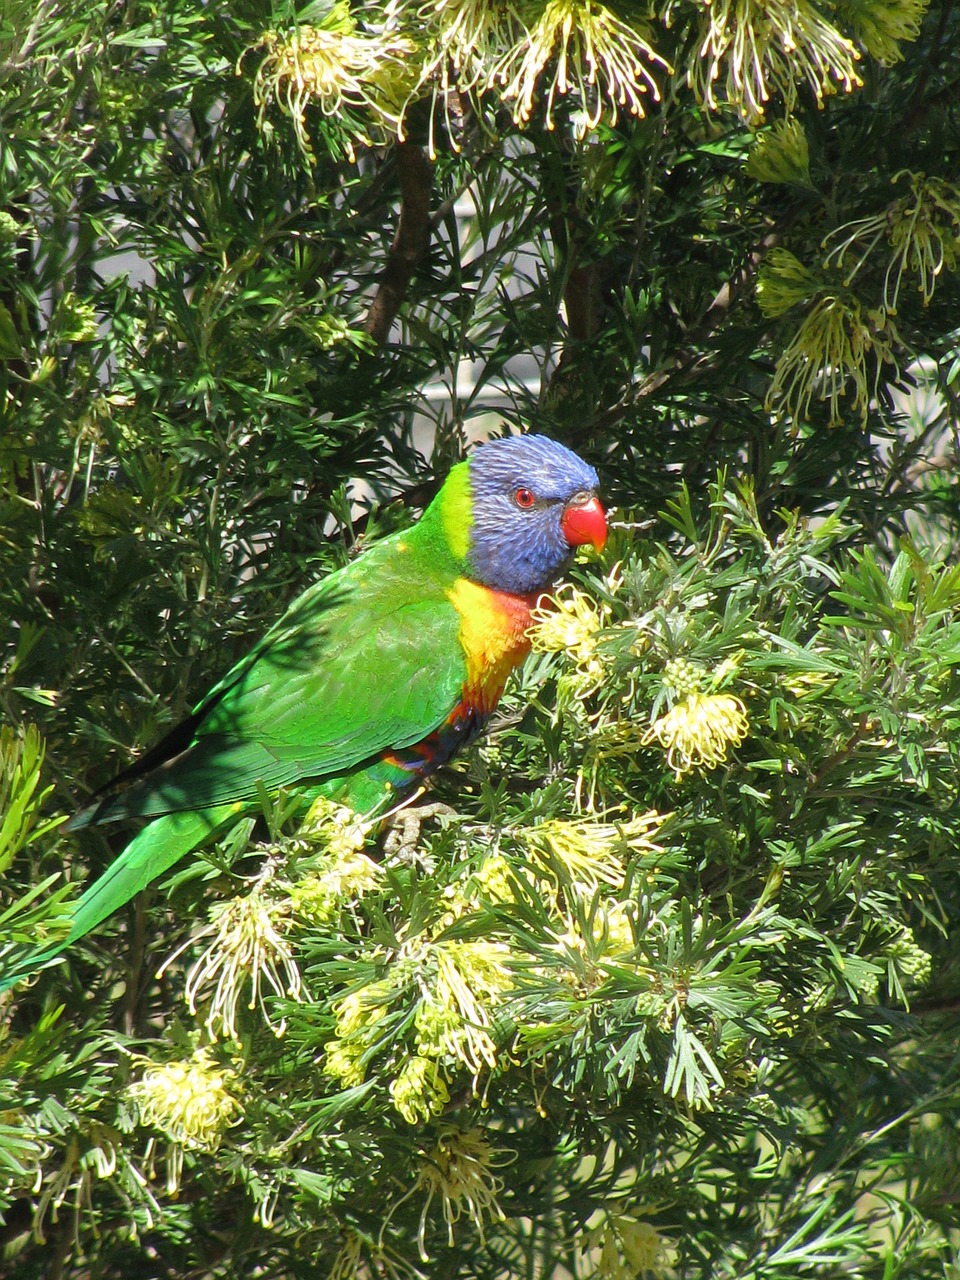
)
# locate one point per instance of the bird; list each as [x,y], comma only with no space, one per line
[376,675]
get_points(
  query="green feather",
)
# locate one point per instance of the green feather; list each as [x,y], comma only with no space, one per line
[337,682]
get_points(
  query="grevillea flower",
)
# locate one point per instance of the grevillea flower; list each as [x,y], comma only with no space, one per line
[471,979]
[418,1090]
[578,46]
[590,852]
[459,1170]
[358,1026]
[840,347]
[781,154]
[189,1100]
[630,1247]
[248,949]
[755,48]
[339,881]
[882,25]
[920,233]
[463,36]
[699,731]
[332,67]
[569,623]
[343,1061]
[360,1256]
[783,281]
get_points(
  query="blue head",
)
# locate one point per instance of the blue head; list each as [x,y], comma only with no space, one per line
[533,502]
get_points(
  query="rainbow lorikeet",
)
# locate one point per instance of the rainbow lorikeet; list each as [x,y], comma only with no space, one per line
[373,678]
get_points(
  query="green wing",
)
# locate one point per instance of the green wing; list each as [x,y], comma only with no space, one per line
[365,661]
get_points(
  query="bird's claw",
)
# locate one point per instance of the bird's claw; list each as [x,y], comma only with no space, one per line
[400,845]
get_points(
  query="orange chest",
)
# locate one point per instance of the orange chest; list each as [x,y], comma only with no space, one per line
[493,634]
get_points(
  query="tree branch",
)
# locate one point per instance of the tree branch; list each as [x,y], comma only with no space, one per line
[409,244]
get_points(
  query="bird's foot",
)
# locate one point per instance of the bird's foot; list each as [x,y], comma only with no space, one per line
[401,844]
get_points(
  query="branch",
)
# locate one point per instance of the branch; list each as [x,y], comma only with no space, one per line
[409,244]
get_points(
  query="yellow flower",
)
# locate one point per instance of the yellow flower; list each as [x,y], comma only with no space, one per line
[569,623]
[321,894]
[591,853]
[921,228]
[838,346]
[464,35]
[358,1009]
[784,282]
[699,731]
[248,947]
[419,1091]
[610,934]
[360,1256]
[190,1100]
[492,881]
[607,61]
[757,48]
[455,42]
[781,154]
[342,1061]
[459,1169]
[331,66]
[471,978]
[336,827]
[358,1026]
[489,884]
[629,1247]
[881,25]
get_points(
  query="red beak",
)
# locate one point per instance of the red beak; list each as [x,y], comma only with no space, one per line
[584,521]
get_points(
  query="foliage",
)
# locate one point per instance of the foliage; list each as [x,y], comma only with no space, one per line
[667,985]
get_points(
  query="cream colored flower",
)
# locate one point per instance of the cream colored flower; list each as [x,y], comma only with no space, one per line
[321,894]
[189,1100]
[249,948]
[756,48]
[358,1017]
[630,1249]
[881,26]
[489,884]
[470,981]
[699,731]
[335,827]
[419,1091]
[610,933]
[781,154]
[569,622]
[343,1061]
[359,1010]
[460,1170]
[361,1258]
[456,43]
[464,36]
[783,281]
[589,852]
[583,47]
[839,348]
[492,881]
[920,232]
[332,67]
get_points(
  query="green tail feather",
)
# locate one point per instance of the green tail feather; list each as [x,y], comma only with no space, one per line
[148,855]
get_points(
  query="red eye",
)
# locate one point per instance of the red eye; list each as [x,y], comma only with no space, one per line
[524,498]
